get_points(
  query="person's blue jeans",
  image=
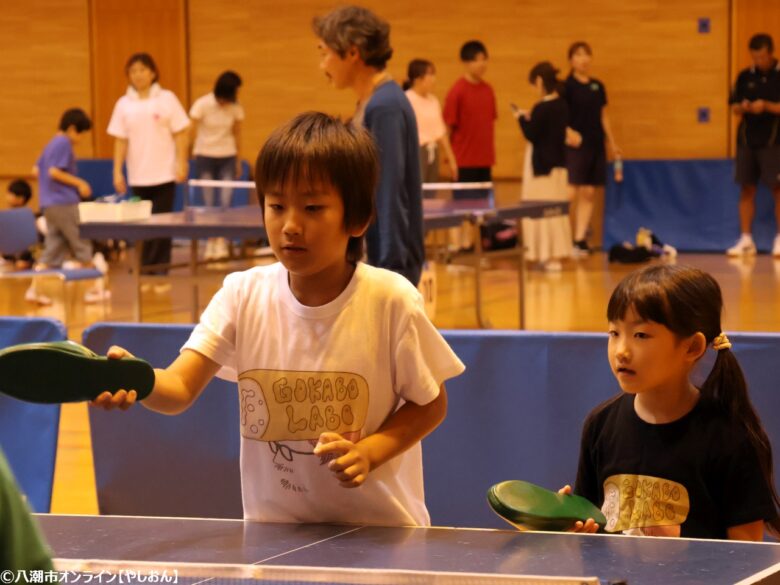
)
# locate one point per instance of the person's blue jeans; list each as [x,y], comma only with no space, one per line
[216,168]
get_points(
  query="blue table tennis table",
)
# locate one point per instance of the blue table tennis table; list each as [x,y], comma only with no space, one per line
[247,223]
[219,551]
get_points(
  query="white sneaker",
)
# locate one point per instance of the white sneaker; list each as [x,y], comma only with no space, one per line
[776,247]
[744,247]
[71,265]
[33,296]
[100,262]
[553,266]
[221,249]
[209,253]
[96,295]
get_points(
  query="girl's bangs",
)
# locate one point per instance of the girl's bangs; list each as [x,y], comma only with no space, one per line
[644,295]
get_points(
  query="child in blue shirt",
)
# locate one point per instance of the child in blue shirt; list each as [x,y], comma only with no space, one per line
[60,191]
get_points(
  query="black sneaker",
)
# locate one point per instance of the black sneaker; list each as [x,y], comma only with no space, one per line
[581,249]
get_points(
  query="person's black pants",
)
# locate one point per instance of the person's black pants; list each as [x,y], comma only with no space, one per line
[157,250]
[473,175]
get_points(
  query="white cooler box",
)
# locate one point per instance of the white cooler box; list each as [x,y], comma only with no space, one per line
[122,211]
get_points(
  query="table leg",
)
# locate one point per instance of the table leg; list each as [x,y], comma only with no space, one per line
[520,274]
[478,254]
[135,270]
[193,274]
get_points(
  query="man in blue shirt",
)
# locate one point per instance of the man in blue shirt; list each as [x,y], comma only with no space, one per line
[354,46]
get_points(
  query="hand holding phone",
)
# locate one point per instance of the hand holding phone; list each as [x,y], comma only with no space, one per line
[516,112]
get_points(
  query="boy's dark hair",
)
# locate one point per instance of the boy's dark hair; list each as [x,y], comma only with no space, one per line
[354,26]
[20,188]
[226,87]
[470,50]
[549,75]
[686,301]
[317,148]
[417,68]
[77,118]
[146,60]
[761,41]
[576,46]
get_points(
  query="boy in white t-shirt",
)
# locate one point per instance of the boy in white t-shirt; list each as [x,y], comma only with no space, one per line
[340,372]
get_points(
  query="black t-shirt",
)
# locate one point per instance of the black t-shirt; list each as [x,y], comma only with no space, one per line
[546,130]
[586,100]
[758,130]
[694,477]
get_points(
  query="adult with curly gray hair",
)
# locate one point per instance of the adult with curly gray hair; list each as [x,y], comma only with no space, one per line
[354,45]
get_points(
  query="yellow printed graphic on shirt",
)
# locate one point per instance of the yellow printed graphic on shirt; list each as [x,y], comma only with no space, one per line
[278,405]
[645,504]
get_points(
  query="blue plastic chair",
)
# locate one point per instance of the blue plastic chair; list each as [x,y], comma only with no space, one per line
[28,432]
[17,234]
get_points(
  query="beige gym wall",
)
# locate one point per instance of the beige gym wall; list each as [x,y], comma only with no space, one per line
[658,69]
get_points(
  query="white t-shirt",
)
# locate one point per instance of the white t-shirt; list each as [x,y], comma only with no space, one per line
[342,367]
[427,111]
[215,126]
[149,125]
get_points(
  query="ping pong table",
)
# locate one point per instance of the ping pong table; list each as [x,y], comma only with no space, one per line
[246,223]
[246,552]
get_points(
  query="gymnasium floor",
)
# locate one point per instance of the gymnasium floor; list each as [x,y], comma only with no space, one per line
[572,300]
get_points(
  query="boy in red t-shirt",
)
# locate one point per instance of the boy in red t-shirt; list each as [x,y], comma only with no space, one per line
[470,113]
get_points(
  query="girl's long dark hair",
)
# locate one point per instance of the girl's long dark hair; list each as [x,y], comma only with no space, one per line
[549,76]
[686,301]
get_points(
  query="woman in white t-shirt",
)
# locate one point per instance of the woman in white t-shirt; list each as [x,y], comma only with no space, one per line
[216,130]
[430,123]
[149,125]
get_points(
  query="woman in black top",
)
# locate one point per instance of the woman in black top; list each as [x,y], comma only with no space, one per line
[587,164]
[547,240]
[545,126]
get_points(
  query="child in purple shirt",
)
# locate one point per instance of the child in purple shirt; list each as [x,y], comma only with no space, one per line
[60,191]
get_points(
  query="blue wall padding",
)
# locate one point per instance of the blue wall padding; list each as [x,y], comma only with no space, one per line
[98,172]
[28,432]
[516,413]
[690,204]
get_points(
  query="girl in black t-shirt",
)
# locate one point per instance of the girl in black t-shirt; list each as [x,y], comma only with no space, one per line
[587,163]
[666,458]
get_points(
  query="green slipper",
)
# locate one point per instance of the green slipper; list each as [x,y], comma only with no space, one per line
[64,371]
[529,507]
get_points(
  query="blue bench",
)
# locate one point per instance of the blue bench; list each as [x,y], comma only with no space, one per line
[28,432]
[516,413]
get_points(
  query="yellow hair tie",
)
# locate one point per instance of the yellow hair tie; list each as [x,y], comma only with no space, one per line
[721,342]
